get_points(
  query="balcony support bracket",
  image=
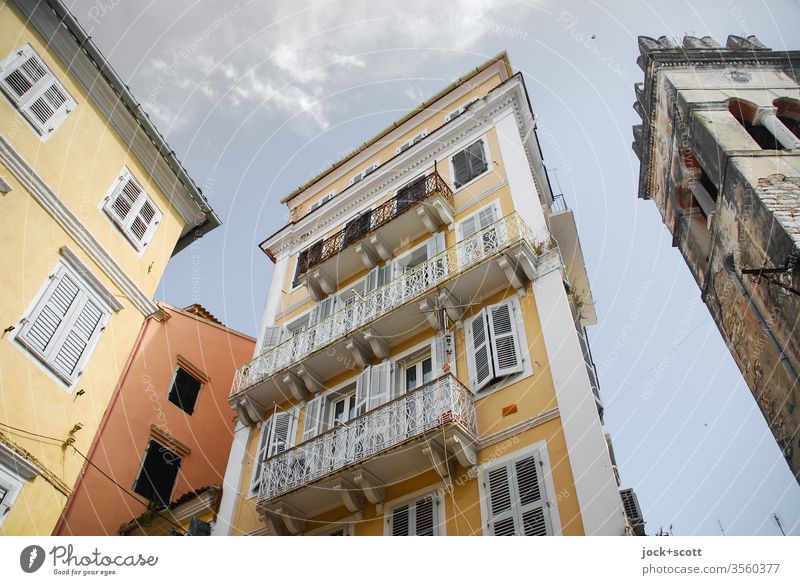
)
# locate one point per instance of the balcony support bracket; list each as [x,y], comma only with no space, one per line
[291,517]
[438,458]
[371,486]
[430,309]
[454,307]
[527,262]
[444,210]
[325,284]
[360,353]
[296,386]
[368,254]
[351,497]
[380,247]
[379,346]
[512,273]
[464,452]
[429,219]
[310,379]
[274,523]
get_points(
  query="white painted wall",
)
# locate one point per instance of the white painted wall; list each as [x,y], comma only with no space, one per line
[595,483]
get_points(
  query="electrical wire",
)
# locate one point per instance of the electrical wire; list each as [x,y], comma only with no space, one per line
[131,494]
[58,441]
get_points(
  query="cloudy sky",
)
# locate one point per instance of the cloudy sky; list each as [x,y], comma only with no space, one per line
[257,97]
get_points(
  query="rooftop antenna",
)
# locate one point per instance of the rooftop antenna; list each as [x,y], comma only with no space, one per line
[721,527]
[778,522]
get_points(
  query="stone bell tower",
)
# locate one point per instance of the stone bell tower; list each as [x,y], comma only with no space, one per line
[719,146]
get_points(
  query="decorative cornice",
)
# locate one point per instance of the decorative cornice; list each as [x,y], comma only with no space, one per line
[66,38]
[397,171]
[70,223]
[520,427]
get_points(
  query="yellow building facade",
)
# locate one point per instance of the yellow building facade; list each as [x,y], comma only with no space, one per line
[422,365]
[93,205]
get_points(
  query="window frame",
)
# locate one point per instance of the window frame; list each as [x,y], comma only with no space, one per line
[124,226]
[180,457]
[487,156]
[551,497]
[88,289]
[12,484]
[194,377]
[21,104]
[439,515]
[496,383]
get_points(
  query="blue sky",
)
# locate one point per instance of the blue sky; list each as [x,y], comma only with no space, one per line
[258,97]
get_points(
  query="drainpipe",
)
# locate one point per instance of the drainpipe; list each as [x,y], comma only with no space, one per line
[730,266]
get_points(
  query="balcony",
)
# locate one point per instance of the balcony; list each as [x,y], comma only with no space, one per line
[423,205]
[501,254]
[431,427]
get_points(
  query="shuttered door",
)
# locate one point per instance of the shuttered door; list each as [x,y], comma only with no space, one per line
[410,194]
[501,508]
[261,454]
[506,353]
[272,337]
[280,437]
[516,499]
[481,370]
[417,518]
[362,391]
[312,422]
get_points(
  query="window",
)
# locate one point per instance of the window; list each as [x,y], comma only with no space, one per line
[35,91]
[409,143]
[158,473]
[10,486]
[516,503]
[184,390]
[65,324]
[489,240]
[468,164]
[458,111]
[418,374]
[419,517]
[367,171]
[342,410]
[493,344]
[132,210]
[322,200]
[277,435]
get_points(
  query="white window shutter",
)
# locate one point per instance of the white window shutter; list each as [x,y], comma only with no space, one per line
[534,519]
[439,352]
[40,333]
[133,211]
[312,422]
[488,215]
[261,454]
[500,501]
[435,244]
[272,337]
[425,517]
[479,359]
[281,433]
[380,385]
[506,354]
[400,521]
[65,325]
[126,198]
[468,226]
[363,390]
[72,347]
[322,310]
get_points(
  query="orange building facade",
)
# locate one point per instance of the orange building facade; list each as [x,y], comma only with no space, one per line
[168,429]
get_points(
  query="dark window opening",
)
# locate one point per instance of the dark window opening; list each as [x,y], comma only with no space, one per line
[761,135]
[184,391]
[410,194]
[706,182]
[159,472]
[357,228]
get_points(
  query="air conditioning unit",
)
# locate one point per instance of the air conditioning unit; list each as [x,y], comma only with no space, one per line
[633,512]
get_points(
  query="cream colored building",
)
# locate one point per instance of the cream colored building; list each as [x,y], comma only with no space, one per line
[93,203]
[422,365]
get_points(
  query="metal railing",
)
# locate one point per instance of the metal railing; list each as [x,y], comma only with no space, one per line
[441,401]
[411,284]
[407,197]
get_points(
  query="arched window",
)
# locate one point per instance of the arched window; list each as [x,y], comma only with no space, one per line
[789,113]
[745,112]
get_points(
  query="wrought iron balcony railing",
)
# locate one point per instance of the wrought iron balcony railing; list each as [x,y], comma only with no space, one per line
[407,197]
[441,401]
[411,284]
